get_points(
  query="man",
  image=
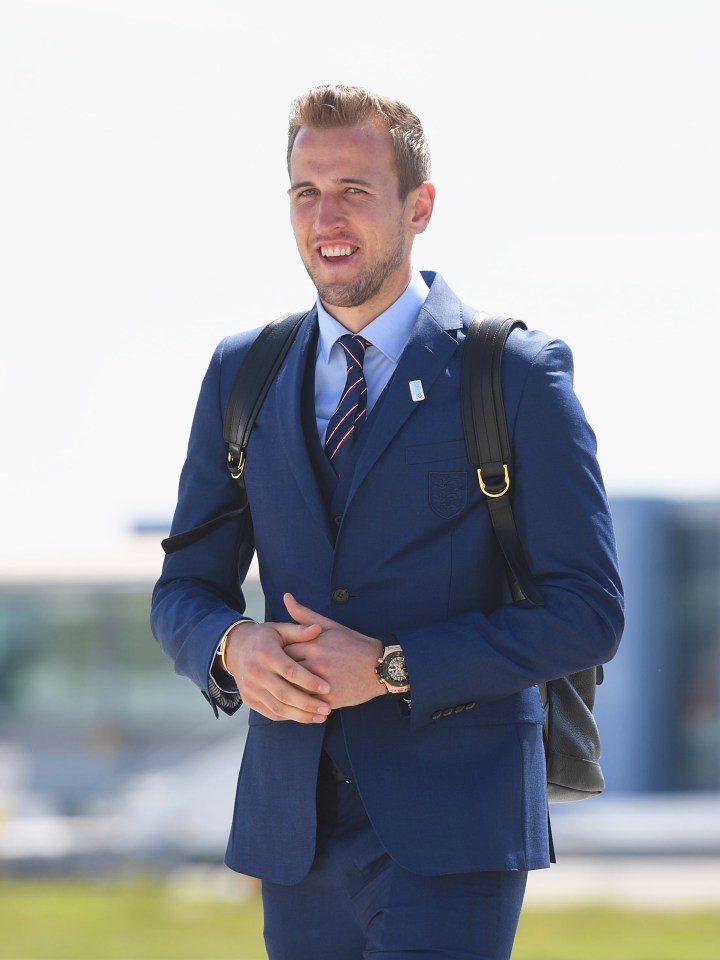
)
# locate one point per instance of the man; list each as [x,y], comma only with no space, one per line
[392,795]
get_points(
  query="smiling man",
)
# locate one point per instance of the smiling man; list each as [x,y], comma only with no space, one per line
[353,223]
[392,794]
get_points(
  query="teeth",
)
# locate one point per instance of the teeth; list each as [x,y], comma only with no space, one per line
[336,251]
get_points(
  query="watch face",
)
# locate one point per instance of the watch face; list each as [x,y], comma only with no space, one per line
[395,670]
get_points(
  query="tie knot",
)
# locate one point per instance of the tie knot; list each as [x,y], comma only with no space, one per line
[354,346]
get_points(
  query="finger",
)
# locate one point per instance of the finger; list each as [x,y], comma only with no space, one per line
[288,696]
[297,652]
[301,678]
[305,615]
[272,669]
[276,708]
[297,633]
[284,711]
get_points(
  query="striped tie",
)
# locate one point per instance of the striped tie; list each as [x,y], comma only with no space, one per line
[351,409]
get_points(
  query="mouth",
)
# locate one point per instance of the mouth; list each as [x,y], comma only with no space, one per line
[336,251]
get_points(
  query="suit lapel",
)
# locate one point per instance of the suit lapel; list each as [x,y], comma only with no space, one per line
[292,444]
[425,357]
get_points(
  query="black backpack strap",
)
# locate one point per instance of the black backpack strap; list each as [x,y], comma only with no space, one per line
[252,382]
[188,537]
[488,444]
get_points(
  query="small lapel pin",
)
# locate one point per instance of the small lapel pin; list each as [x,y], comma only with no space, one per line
[416,390]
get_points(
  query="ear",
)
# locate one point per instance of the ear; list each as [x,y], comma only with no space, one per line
[421,201]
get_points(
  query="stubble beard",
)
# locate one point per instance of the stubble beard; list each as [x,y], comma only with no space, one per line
[366,285]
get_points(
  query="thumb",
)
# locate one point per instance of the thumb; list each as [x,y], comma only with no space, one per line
[304,615]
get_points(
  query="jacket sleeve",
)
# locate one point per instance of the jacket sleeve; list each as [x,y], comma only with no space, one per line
[199,593]
[564,523]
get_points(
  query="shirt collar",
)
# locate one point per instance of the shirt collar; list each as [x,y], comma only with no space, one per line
[389,332]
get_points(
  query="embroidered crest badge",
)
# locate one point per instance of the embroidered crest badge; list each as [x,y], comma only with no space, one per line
[447,492]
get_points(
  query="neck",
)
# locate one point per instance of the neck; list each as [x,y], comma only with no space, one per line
[357,318]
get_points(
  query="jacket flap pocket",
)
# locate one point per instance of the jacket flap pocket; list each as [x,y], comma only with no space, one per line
[443,450]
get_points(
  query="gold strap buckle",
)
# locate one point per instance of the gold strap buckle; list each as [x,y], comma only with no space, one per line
[237,465]
[500,493]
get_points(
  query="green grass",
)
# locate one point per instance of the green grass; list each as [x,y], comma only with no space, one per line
[149,920]
[608,933]
[127,920]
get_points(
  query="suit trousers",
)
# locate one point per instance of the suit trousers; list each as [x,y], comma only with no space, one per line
[358,904]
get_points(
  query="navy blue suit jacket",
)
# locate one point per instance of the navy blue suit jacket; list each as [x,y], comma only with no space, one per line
[446,791]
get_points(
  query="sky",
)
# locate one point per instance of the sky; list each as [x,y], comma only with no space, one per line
[144,216]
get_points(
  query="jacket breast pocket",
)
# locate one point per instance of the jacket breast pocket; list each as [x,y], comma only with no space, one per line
[447,477]
[432,452]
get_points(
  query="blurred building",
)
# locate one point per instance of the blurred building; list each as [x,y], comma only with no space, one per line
[93,718]
[659,708]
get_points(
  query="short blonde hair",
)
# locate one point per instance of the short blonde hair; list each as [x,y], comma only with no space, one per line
[335,105]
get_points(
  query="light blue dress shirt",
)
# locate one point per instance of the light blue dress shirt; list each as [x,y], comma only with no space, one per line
[388,335]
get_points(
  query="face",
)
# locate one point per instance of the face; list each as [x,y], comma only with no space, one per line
[353,232]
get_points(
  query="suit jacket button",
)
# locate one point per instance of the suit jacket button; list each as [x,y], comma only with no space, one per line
[469,706]
[337,520]
[436,715]
[448,712]
[459,708]
[341,595]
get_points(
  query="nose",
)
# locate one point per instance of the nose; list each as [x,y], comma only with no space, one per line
[328,213]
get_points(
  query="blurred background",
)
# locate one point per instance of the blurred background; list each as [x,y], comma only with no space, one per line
[143,217]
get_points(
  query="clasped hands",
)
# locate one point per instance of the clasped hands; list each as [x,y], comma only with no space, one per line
[303,670]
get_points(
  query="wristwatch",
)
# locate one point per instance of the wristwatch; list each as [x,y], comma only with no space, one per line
[392,670]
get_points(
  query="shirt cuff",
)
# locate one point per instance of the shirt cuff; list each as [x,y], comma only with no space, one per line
[227,701]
